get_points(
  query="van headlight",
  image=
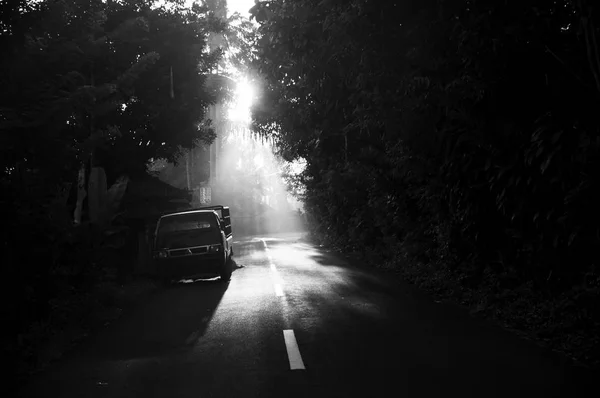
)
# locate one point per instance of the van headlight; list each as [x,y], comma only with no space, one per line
[161,254]
[215,248]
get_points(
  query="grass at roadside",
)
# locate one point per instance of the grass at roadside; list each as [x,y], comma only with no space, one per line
[562,324]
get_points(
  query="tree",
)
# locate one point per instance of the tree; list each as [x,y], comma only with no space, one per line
[103,84]
[234,39]
[441,115]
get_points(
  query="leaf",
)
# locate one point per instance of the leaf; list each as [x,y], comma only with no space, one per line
[572,237]
[546,163]
[539,152]
[556,136]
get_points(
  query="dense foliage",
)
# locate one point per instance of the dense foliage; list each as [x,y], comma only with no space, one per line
[458,133]
[86,84]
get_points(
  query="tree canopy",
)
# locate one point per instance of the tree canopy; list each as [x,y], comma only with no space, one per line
[121,77]
[462,136]
[468,126]
[88,84]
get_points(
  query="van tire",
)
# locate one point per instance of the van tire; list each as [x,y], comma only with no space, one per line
[226,269]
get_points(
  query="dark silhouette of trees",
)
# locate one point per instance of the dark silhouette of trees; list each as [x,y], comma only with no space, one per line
[458,133]
[85,84]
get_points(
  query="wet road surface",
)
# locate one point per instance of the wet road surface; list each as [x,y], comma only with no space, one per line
[295,321]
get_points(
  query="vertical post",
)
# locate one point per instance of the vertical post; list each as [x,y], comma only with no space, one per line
[212,153]
[187,168]
[212,146]
[217,138]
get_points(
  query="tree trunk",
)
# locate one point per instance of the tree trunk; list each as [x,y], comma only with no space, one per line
[81,194]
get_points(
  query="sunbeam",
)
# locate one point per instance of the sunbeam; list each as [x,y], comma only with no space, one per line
[250,178]
[245,95]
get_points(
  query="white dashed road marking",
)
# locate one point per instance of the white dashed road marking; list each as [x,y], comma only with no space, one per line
[291,345]
[276,278]
[292,350]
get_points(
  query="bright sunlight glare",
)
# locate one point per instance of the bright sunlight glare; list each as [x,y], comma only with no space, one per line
[251,179]
[244,98]
[240,169]
[241,6]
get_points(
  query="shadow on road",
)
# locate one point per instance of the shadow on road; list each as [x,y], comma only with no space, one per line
[325,259]
[172,320]
[423,342]
[440,334]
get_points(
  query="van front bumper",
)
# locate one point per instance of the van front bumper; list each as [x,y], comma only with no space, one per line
[190,265]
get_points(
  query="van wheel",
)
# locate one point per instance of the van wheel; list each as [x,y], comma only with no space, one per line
[226,269]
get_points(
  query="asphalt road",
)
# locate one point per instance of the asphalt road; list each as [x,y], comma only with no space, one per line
[297,322]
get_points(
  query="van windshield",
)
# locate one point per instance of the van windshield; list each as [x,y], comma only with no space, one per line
[186,229]
[188,222]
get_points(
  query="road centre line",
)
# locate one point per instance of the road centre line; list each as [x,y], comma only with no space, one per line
[278,290]
[292,350]
[278,282]
[267,251]
[291,345]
